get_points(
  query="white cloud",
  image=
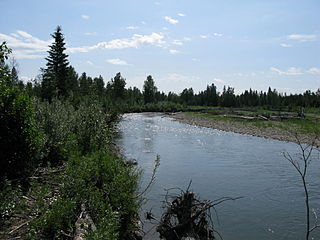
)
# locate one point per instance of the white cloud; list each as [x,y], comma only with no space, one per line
[171,20]
[218,80]
[24,45]
[173,51]
[117,61]
[165,28]
[314,70]
[177,42]
[143,22]
[302,37]
[204,36]
[22,55]
[132,27]
[187,39]
[136,41]
[195,59]
[89,62]
[86,17]
[285,45]
[289,71]
[181,15]
[179,78]
[217,34]
[157,3]
[90,33]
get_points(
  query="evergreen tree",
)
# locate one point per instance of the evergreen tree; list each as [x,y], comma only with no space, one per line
[149,90]
[187,96]
[212,97]
[98,85]
[55,77]
[85,84]
[14,76]
[228,99]
[72,80]
[116,87]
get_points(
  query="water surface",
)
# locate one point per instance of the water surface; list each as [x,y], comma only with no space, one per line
[223,164]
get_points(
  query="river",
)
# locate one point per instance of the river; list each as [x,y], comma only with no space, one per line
[223,164]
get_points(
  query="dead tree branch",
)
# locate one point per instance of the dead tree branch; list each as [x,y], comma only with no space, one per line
[305,158]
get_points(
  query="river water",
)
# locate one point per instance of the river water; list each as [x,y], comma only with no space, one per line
[223,164]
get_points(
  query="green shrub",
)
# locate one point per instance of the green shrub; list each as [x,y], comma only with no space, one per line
[9,196]
[57,120]
[94,127]
[59,217]
[20,140]
[107,186]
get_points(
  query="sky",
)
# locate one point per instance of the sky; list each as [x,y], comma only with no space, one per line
[181,43]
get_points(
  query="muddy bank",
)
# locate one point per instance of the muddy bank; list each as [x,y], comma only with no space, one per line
[250,129]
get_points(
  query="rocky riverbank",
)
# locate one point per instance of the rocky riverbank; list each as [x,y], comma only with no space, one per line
[242,128]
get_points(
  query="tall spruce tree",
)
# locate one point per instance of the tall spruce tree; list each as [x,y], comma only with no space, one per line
[55,75]
[149,90]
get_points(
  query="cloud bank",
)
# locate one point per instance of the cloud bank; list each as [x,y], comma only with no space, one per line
[26,46]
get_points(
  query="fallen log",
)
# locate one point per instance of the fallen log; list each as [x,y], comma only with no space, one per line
[84,224]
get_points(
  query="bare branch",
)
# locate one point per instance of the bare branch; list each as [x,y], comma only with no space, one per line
[153,176]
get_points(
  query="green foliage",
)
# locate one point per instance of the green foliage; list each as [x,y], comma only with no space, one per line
[149,90]
[9,196]
[20,140]
[164,106]
[94,127]
[108,228]
[116,87]
[57,120]
[68,130]
[60,217]
[4,70]
[187,96]
[104,184]
[228,99]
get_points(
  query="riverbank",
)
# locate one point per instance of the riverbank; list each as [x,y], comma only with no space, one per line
[272,129]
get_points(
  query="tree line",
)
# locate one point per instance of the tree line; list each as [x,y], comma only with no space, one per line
[60,80]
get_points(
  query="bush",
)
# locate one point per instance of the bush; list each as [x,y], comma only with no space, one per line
[94,127]
[20,141]
[9,196]
[57,120]
[60,217]
[108,187]
[105,185]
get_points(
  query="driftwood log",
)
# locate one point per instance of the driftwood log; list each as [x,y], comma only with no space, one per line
[84,224]
[186,217]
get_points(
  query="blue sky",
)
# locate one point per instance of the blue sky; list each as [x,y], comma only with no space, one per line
[181,43]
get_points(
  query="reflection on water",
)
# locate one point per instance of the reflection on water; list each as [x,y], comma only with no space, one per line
[222,164]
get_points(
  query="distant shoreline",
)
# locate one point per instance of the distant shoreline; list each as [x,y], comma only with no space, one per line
[249,129]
